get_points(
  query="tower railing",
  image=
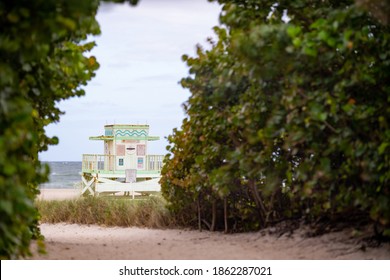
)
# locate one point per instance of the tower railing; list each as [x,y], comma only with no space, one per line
[95,163]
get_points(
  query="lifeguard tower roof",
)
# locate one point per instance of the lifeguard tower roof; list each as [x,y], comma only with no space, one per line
[125,132]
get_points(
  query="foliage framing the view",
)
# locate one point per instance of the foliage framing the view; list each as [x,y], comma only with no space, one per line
[288,118]
[42,62]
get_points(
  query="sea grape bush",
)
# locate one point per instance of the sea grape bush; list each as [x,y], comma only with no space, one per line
[288,118]
[43,60]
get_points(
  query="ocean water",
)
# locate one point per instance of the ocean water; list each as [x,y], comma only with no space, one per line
[63,175]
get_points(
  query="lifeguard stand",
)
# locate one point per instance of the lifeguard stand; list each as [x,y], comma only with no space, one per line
[125,165]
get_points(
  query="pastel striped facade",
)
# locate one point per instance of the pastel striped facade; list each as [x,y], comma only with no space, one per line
[125,150]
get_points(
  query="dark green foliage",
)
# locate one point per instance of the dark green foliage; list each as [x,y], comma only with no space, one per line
[286,119]
[41,62]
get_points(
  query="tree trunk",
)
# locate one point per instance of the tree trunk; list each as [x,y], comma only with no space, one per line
[225,206]
[199,215]
[258,200]
[214,215]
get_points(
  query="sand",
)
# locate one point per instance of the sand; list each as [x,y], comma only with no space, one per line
[83,242]
[59,194]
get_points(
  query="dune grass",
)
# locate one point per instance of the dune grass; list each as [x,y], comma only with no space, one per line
[109,211]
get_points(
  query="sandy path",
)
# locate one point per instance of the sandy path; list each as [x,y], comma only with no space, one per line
[70,241]
[58,194]
[81,242]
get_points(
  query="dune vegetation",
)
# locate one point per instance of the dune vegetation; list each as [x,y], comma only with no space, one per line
[108,211]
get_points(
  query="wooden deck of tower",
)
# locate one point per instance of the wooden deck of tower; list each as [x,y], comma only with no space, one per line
[125,165]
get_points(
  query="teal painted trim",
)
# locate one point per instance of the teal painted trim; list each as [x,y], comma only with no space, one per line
[130,133]
[107,138]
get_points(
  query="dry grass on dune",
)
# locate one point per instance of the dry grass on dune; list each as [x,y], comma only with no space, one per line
[106,211]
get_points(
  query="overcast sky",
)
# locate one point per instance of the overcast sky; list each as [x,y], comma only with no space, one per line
[139,52]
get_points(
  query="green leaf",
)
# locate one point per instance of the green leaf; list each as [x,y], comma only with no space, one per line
[310,51]
[293,31]
[6,206]
[382,148]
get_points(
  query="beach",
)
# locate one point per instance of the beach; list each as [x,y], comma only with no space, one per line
[83,242]
[59,194]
